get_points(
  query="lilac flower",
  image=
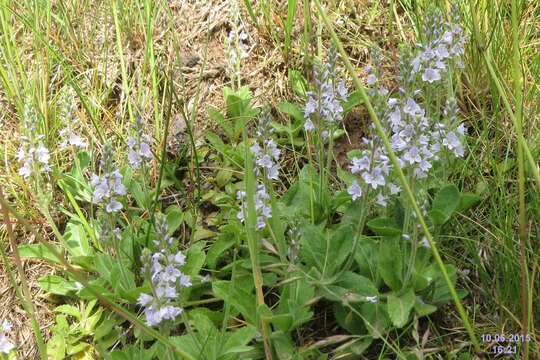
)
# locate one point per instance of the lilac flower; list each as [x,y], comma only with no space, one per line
[139,145]
[394,189]
[266,155]
[35,160]
[323,104]
[371,79]
[106,188]
[355,190]
[381,200]
[162,268]
[360,164]
[32,152]
[294,249]
[66,114]
[418,136]
[235,48]
[71,139]
[371,299]
[431,75]
[5,345]
[425,242]
[109,185]
[374,178]
[443,47]
[261,206]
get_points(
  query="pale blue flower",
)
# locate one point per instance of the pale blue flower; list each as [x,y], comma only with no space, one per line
[371,299]
[431,75]
[355,190]
[5,345]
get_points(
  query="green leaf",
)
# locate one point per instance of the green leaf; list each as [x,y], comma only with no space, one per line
[69,310]
[285,348]
[104,264]
[339,247]
[354,99]
[367,252]
[358,284]
[175,218]
[241,300]
[325,249]
[390,261]
[467,200]
[76,241]
[283,321]
[204,325]
[352,213]
[423,309]
[445,203]
[217,143]
[104,328]
[195,259]
[294,296]
[297,82]
[299,203]
[39,251]
[237,341]
[136,190]
[384,227]
[223,242]
[361,345]
[399,307]
[56,347]
[74,349]
[215,115]
[201,233]
[348,319]
[56,285]
[292,110]
[375,316]
[223,177]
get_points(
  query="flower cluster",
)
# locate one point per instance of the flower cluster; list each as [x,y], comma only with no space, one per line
[32,152]
[417,138]
[162,268]
[5,345]
[109,185]
[323,104]
[67,134]
[267,155]
[443,45]
[295,247]
[139,145]
[261,206]
[235,48]
[374,73]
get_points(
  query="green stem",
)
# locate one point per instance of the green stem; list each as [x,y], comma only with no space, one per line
[402,178]
[518,90]
[251,222]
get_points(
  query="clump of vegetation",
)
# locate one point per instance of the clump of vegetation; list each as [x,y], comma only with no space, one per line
[271,248]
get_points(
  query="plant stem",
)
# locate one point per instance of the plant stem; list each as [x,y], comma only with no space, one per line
[251,221]
[518,90]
